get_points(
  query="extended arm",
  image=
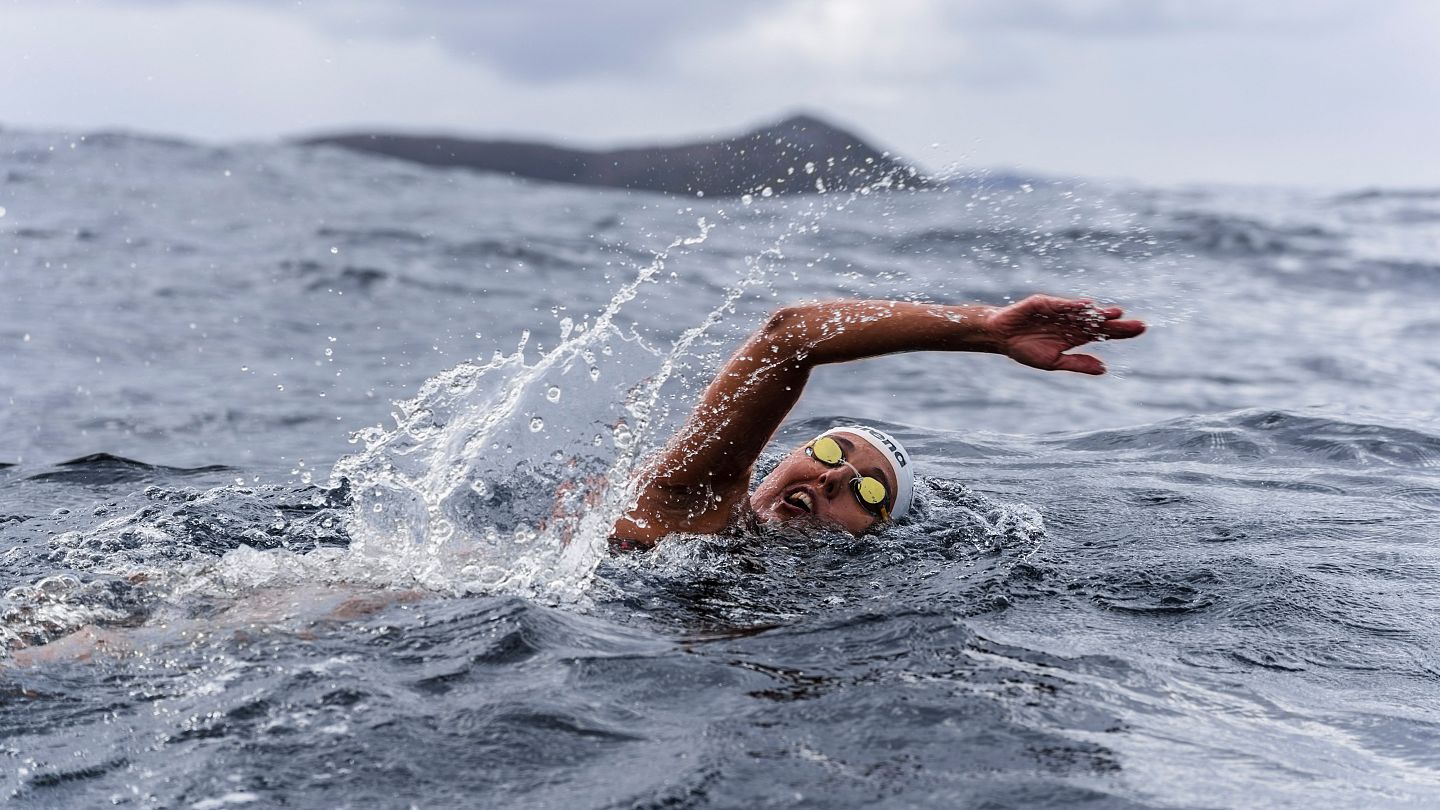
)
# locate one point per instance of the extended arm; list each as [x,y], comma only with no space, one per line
[696,483]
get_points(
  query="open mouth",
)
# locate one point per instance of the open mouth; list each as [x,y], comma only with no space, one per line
[800,499]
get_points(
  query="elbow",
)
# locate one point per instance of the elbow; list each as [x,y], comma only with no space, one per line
[786,321]
[789,332]
[782,320]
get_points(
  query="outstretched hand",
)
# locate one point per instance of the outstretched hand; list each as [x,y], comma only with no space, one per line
[1038,330]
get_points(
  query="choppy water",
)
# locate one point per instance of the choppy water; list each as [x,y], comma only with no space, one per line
[1207,580]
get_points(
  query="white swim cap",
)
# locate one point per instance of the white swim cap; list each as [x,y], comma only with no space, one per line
[895,453]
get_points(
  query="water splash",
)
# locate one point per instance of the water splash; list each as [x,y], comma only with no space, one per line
[474,490]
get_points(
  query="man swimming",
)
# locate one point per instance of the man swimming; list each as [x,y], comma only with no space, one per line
[853,478]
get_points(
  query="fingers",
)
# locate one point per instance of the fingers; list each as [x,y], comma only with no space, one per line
[1118,330]
[1086,306]
[1082,321]
[1105,322]
[1079,363]
[1055,305]
[1083,309]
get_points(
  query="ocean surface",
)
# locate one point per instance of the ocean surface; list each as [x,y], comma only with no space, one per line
[311,456]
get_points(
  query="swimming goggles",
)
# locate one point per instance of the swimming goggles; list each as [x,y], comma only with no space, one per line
[871,492]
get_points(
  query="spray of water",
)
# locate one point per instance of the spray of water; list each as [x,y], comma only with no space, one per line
[472,491]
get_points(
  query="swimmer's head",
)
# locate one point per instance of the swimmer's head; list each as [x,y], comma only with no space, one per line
[854,477]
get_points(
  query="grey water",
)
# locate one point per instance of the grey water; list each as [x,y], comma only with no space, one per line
[286,430]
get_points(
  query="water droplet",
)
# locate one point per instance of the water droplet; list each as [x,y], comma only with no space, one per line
[244,368]
[536,424]
[377,509]
[746,199]
[441,530]
[594,373]
[26,339]
[567,326]
[480,488]
[2,210]
[329,352]
[767,192]
[279,387]
[334,250]
[553,394]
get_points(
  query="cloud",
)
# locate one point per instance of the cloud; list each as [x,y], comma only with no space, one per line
[1128,18]
[529,40]
[549,41]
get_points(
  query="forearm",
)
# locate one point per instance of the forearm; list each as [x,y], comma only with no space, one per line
[839,331]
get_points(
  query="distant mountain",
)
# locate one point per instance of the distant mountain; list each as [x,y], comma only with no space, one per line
[798,155]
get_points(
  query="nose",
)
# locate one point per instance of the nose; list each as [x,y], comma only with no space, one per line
[832,481]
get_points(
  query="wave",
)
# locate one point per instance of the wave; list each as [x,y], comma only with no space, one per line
[1253,434]
[1370,195]
[365,236]
[104,468]
[114,563]
[1185,232]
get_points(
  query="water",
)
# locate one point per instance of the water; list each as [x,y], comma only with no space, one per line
[289,429]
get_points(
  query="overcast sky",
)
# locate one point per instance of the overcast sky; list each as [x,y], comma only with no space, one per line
[1331,93]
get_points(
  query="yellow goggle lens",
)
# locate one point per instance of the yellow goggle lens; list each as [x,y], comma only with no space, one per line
[870,490]
[827,451]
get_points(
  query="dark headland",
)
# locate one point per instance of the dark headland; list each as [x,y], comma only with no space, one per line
[798,155]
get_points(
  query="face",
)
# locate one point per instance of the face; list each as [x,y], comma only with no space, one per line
[804,489]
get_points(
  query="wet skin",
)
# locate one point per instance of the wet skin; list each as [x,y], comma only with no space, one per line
[831,501]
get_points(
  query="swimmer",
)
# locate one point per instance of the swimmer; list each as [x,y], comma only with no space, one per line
[855,478]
